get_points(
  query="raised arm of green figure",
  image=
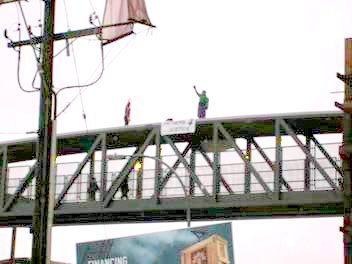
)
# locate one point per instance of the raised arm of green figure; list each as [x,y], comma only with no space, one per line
[196,90]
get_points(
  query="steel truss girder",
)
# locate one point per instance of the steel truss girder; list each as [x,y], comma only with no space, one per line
[125,171]
[187,166]
[308,154]
[243,157]
[22,187]
[78,170]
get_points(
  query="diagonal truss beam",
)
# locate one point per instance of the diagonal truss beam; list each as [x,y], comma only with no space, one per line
[210,163]
[3,179]
[125,171]
[187,166]
[269,162]
[308,154]
[327,155]
[78,171]
[174,167]
[240,153]
[20,189]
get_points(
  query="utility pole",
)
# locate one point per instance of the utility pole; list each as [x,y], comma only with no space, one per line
[345,152]
[40,217]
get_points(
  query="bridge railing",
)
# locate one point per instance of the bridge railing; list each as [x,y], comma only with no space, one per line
[233,173]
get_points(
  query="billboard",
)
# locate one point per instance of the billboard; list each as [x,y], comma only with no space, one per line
[199,245]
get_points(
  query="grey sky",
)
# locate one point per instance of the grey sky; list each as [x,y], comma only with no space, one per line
[252,57]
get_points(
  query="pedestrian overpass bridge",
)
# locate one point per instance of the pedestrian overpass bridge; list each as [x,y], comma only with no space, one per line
[226,169]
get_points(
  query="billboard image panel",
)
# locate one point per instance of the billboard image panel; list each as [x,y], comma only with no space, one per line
[210,244]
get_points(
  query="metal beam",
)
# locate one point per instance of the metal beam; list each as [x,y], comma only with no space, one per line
[91,192]
[242,156]
[327,156]
[20,189]
[103,178]
[65,35]
[158,165]
[245,206]
[139,175]
[216,162]
[187,167]
[193,168]
[78,171]
[174,167]
[247,171]
[210,163]
[3,179]
[309,155]
[278,160]
[270,163]
[307,163]
[123,174]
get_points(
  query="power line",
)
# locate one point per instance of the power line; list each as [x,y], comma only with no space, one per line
[74,98]
[29,33]
[76,69]
[80,89]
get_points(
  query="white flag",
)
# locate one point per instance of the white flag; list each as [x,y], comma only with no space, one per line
[120,16]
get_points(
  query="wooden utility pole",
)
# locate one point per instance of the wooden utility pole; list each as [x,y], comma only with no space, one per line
[40,217]
[345,152]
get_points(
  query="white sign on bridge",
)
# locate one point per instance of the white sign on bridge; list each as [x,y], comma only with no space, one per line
[178,127]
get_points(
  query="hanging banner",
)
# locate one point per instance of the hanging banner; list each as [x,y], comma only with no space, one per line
[200,245]
[178,127]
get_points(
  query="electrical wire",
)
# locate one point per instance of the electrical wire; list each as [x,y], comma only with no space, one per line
[29,33]
[80,89]
[57,54]
[18,74]
[103,68]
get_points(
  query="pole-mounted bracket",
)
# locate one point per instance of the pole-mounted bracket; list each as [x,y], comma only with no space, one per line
[345,107]
[345,151]
[347,79]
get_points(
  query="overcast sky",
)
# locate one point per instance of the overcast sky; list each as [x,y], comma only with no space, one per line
[252,57]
